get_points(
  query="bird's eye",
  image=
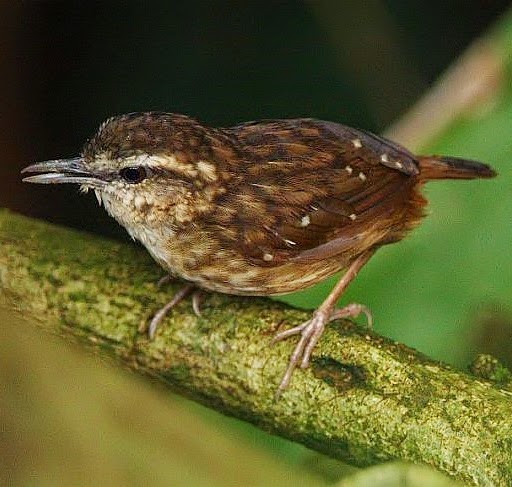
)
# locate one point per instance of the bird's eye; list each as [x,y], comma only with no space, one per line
[134,175]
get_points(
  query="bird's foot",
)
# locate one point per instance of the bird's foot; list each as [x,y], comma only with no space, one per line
[177,298]
[310,332]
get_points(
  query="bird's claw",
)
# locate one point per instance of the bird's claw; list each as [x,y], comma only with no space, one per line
[310,332]
[160,314]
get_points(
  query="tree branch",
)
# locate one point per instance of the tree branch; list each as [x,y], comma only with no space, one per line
[364,400]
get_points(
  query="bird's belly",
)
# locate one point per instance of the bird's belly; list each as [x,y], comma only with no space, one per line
[223,270]
[248,280]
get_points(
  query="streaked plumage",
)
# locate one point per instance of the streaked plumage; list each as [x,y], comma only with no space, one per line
[261,208]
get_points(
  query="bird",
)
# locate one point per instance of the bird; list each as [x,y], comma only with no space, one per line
[262,208]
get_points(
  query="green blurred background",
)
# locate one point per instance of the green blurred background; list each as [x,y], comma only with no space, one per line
[66,66]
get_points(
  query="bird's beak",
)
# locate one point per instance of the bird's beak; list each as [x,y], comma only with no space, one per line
[61,171]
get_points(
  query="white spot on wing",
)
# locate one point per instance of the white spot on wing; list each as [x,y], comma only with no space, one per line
[385,159]
[267,257]
[348,169]
[362,176]
[357,143]
[305,221]
[353,216]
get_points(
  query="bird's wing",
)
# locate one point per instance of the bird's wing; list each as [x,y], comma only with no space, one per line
[309,190]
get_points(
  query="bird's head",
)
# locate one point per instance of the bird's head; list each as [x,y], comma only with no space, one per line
[147,169]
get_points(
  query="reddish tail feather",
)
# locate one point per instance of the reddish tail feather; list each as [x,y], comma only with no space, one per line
[433,167]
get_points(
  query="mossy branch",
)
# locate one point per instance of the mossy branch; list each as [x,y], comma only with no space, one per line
[365,399]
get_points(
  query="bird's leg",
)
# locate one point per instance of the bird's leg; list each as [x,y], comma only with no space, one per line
[312,330]
[197,298]
[160,314]
[164,280]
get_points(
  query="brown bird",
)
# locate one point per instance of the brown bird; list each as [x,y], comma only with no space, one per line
[262,208]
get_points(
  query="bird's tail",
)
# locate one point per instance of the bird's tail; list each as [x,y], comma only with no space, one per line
[433,167]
